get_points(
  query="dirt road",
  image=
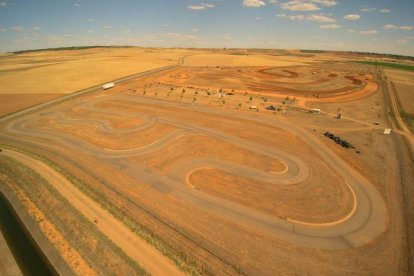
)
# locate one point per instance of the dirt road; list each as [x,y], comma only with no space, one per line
[140,251]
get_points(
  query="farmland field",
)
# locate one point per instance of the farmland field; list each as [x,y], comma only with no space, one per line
[187,169]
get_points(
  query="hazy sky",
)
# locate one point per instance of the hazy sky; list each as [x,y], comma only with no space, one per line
[366,25]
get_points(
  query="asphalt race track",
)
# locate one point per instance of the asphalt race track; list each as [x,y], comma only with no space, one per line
[366,221]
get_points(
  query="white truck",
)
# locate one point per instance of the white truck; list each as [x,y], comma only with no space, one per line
[108,85]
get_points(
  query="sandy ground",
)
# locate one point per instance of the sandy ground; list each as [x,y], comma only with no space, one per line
[15,102]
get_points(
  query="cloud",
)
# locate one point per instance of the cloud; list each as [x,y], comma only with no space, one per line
[328,3]
[298,17]
[91,20]
[272,1]
[330,27]
[298,5]
[307,5]
[253,3]
[385,10]
[200,7]
[394,27]
[366,9]
[352,17]
[76,5]
[3,4]
[390,27]
[320,18]
[313,17]
[2,30]
[107,27]
[36,28]
[351,31]
[369,32]
[195,30]
[258,18]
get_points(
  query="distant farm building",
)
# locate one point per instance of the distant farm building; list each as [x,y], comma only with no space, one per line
[387,131]
[315,111]
[108,85]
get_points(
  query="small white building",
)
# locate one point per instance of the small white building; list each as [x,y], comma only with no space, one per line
[253,107]
[387,131]
[108,85]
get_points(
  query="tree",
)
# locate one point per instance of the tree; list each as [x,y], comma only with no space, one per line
[250,98]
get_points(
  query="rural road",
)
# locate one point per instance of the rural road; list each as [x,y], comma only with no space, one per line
[365,222]
[85,91]
[153,261]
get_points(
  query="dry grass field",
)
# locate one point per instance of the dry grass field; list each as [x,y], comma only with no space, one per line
[181,159]
[61,72]
[406,96]
[35,77]
[404,84]
[15,102]
[241,59]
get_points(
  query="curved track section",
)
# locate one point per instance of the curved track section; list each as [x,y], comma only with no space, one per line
[365,222]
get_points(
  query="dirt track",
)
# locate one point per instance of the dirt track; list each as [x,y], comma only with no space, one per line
[137,249]
[306,84]
[366,221]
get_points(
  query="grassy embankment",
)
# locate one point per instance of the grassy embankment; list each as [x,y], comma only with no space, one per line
[181,259]
[99,251]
